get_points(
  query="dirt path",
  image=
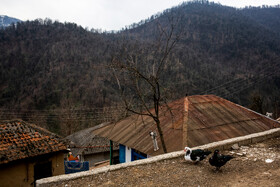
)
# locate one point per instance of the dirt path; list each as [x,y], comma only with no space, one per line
[249,168]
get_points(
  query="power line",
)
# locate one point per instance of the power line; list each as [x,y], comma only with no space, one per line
[237,82]
[232,87]
[251,84]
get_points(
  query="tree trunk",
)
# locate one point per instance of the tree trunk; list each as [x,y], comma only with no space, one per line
[161,136]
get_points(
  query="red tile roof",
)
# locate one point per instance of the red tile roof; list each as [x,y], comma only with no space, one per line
[207,118]
[19,140]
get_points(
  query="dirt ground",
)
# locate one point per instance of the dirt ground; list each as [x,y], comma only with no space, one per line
[251,167]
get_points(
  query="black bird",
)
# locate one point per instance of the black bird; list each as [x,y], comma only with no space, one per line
[218,160]
[195,155]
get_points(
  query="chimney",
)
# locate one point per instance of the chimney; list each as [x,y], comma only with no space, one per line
[268,114]
[185,122]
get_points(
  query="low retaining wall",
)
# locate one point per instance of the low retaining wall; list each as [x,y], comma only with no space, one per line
[221,145]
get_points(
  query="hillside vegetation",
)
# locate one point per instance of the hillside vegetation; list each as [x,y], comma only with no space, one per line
[57,74]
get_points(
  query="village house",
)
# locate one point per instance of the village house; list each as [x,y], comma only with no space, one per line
[190,121]
[89,147]
[28,153]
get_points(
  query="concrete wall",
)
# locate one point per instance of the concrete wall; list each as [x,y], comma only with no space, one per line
[225,144]
[21,172]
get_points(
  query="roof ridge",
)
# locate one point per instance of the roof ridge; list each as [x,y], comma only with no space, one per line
[33,126]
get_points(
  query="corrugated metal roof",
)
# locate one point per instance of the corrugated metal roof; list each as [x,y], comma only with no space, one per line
[208,118]
[218,119]
[86,142]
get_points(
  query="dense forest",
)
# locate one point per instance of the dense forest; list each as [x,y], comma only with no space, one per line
[58,74]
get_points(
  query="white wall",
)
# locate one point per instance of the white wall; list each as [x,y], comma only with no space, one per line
[127,154]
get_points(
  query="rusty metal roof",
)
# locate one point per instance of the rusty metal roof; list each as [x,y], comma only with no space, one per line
[208,118]
[216,119]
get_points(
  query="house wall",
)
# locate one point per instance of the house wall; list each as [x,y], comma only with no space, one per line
[58,164]
[127,154]
[21,172]
[98,157]
[124,154]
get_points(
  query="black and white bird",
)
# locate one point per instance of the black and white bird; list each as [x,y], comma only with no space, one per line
[195,155]
[218,160]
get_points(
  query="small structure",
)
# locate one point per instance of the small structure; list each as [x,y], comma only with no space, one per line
[74,166]
[190,121]
[269,114]
[87,146]
[28,153]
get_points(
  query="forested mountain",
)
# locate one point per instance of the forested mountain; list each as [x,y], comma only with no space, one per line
[267,16]
[57,73]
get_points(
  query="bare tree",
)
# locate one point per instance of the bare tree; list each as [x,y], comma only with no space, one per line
[138,68]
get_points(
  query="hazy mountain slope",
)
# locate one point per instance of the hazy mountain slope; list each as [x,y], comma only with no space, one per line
[6,21]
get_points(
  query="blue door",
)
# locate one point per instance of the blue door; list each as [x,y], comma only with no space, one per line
[136,155]
[122,153]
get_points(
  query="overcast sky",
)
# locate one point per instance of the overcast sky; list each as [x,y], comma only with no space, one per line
[100,14]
